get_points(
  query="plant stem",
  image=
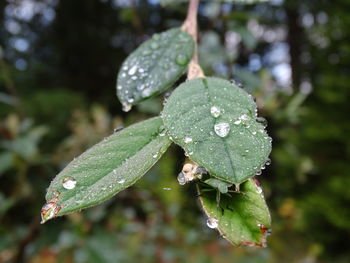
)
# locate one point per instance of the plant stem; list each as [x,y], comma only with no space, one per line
[190,26]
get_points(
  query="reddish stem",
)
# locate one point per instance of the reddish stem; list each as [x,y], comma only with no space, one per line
[190,26]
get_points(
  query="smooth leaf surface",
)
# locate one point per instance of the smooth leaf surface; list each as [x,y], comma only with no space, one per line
[243,218]
[154,66]
[215,122]
[106,169]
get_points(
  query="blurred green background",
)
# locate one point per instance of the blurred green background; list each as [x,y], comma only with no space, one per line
[58,62]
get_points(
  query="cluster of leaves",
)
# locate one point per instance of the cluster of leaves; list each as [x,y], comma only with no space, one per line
[213,120]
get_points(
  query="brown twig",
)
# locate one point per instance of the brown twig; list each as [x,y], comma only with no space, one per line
[190,26]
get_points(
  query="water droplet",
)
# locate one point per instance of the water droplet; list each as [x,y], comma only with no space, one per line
[154,45]
[222,129]
[126,107]
[258,172]
[181,59]
[188,139]
[147,52]
[119,87]
[259,190]
[155,155]
[156,36]
[244,117]
[130,100]
[262,121]
[215,111]
[132,70]
[121,181]
[237,122]
[146,92]
[181,179]
[212,222]
[254,132]
[69,183]
[268,161]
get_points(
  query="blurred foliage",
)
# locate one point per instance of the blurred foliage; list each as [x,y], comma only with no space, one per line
[58,64]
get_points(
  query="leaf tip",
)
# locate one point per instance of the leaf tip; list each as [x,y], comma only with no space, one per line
[50,209]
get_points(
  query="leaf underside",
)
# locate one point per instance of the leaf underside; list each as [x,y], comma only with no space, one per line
[154,66]
[243,218]
[107,168]
[188,119]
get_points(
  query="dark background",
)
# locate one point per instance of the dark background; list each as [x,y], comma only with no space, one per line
[59,60]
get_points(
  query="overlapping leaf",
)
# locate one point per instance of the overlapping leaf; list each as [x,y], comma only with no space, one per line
[107,168]
[154,66]
[215,122]
[243,218]
[173,2]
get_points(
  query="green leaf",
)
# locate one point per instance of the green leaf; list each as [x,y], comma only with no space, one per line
[215,122]
[154,66]
[106,169]
[243,218]
[173,2]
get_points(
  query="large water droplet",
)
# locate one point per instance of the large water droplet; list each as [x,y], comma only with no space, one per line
[181,59]
[215,111]
[132,70]
[188,139]
[268,161]
[181,179]
[69,183]
[212,222]
[222,129]
[146,92]
[126,107]
[154,45]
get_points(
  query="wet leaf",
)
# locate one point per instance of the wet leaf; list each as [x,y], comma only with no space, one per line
[176,2]
[243,218]
[215,122]
[154,66]
[106,169]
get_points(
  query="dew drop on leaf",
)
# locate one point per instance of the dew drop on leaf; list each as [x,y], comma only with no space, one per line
[121,181]
[132,70]
[181,59]
[222,129]
[181,179]
[215,111]
[154,45]
[188,139]
[212,222]
[126,107]
[69,183]
[147,52]
[146,92]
